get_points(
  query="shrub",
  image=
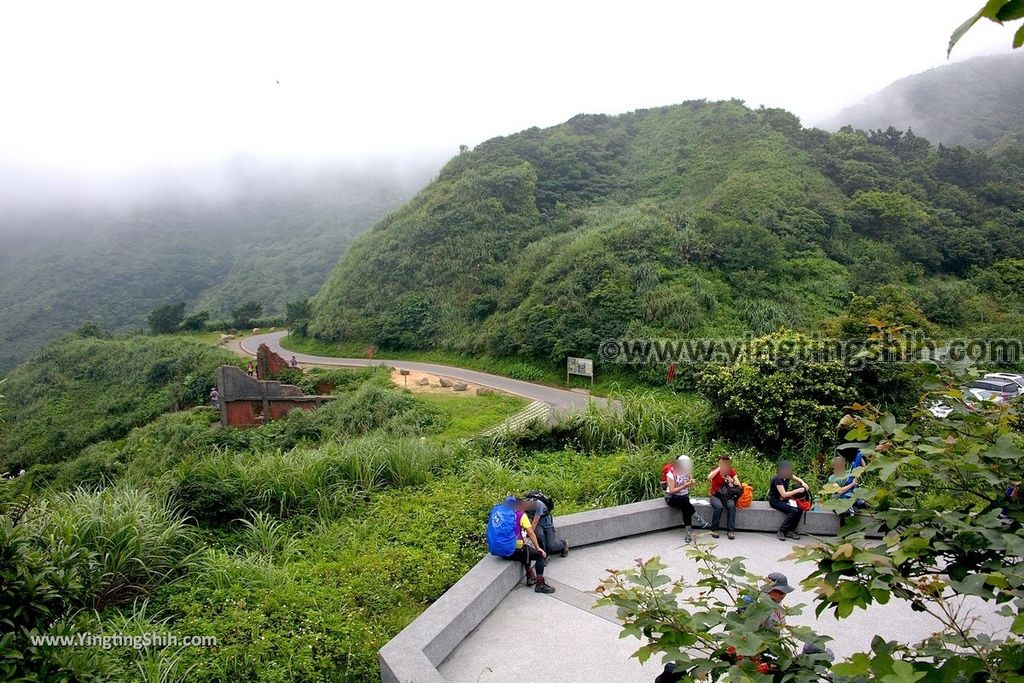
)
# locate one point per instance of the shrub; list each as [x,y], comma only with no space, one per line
[775,396]
[138,540]
[210,495]
[42,584]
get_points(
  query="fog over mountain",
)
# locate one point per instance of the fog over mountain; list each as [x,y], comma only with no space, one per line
[978,103]
[108,251]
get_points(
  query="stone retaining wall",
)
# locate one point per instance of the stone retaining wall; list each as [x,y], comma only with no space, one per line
[414,654]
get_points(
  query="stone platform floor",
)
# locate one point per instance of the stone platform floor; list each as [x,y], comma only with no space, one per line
[561,637]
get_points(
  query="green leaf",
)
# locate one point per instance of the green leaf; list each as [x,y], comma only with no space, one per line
[858,665]
[903,672]
[992,9]
[1014,9]
[1018,37]
[1018,624]
[961,30]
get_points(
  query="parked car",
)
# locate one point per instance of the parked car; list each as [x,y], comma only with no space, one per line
[997,387]
[1007,377]
[997,390]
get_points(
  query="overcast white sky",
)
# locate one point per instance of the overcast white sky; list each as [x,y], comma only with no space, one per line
[112,87]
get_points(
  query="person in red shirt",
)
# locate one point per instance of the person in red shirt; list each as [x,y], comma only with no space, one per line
[724,476]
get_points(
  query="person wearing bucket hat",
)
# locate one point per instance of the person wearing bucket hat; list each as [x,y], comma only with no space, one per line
[777,587]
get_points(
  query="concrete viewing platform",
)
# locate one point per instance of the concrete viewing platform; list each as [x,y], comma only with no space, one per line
[491,627]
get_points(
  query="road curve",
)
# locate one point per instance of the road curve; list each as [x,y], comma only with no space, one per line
[562,400]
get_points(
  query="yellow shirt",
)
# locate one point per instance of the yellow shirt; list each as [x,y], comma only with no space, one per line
[524,523]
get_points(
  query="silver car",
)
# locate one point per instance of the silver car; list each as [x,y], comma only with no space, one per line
[996,390]
[1006,377]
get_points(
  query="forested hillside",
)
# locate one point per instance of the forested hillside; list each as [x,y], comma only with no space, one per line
[702,218]
[264,240]
[978,103]
[86,387]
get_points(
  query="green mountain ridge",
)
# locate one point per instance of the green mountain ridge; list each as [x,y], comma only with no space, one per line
[704,219]
[267,240]
[978,103]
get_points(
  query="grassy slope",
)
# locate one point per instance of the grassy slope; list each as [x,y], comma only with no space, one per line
[79,390]
[466,416]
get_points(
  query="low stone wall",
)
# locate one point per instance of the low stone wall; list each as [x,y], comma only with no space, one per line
[414,654]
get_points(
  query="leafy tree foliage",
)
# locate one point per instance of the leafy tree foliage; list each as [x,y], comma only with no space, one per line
[196,322]
[167,318]
[242,316]
[297,316]
[779,393]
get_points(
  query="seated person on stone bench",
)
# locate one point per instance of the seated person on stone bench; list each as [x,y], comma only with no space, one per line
[678,481]
[508,529]
[846,483]
[784,499]
[539,507]
[724,491]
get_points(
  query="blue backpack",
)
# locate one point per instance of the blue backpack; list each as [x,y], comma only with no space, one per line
[502,530]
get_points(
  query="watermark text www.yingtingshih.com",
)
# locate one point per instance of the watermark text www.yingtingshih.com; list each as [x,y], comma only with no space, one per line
[137,641]
[785,352]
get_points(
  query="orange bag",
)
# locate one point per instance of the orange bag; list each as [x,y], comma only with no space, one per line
[747,497]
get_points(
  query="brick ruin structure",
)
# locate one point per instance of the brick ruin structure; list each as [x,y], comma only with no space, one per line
[249,402]
[268,364]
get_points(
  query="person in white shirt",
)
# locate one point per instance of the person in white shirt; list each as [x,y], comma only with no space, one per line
[678,481]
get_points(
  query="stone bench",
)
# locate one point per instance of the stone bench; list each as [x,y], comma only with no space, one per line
[414,654]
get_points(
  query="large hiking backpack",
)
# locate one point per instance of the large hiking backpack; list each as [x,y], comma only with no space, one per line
[549,503]
[666,468]
[503,530]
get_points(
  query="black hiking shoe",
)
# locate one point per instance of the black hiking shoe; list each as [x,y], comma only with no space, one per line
[543,588]
[714,533]
[794,535]
[781,536]
[565,550]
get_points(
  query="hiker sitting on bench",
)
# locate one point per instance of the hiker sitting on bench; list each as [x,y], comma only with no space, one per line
[784,499]
[508,529]
[539,507]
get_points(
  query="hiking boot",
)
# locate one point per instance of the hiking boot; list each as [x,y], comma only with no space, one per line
[565,550]
[714,533]
[794,535]
[543,587]
[701,522]
[731,535]
[781,536]
[688,537]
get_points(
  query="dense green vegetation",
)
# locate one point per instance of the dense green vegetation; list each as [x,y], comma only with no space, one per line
[702,219]
[978,103]
[271,238]
[84,388]
[303,545]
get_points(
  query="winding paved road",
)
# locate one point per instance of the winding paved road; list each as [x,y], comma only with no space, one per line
[562,400]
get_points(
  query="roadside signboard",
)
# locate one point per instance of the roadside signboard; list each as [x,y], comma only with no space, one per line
[584,367]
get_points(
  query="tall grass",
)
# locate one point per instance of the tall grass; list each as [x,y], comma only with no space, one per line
[221,570]
[267,537]
[324,480]
[633,419]
[137,540]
